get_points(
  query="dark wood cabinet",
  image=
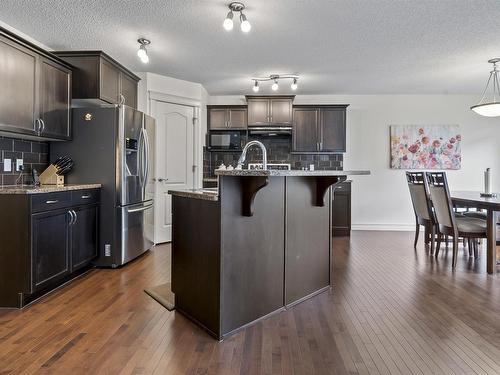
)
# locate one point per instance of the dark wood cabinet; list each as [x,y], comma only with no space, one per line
[50,248]
[98,77]
[227,117]
[35,98]
[55,100]
[84,236]
[275,110]
[47,240]
[319,129]
[341,210]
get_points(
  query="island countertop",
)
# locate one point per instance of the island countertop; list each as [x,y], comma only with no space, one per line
[286,173]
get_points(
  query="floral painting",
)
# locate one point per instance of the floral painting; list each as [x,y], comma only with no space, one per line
[425,147]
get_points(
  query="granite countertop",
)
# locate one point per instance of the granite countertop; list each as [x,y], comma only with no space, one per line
[30,189]
[247,172]
[207,194]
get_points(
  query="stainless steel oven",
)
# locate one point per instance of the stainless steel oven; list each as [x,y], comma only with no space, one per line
[226,140]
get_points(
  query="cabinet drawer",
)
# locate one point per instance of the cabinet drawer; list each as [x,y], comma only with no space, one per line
[85,196]
[50,201]
[343,187]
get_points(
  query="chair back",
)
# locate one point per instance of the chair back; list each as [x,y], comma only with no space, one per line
[419,195]
[441,201]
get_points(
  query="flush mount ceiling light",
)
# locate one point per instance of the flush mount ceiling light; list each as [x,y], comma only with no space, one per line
[275,78]
[487,108]
[236,6]
[142,52]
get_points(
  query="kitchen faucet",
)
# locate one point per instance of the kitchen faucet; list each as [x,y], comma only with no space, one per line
[243,156]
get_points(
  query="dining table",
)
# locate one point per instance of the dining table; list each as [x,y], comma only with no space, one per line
[473,199]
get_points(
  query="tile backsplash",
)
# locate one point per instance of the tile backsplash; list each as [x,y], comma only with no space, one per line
[34,154]
[278,151]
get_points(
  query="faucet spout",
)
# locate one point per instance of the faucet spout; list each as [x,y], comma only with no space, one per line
[243,156]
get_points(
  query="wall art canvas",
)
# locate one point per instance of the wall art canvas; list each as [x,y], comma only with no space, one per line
[426,147]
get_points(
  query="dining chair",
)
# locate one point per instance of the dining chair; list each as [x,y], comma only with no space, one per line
[422,207]
[448,223]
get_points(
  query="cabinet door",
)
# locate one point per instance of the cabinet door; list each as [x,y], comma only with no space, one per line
[237,118]
[305,130]
[129,90]
[84,237]
[55,99]
[109,82]
[218,118]
[18,72]
[333,137]
[258,112]
[281,111]
[50,248]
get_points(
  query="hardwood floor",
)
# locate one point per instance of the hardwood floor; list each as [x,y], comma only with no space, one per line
[392,311]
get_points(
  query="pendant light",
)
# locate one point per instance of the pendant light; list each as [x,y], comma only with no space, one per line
[236,6]
[142,52]
[276,78]
[490,109]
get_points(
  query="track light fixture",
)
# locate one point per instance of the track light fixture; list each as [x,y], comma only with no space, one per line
[236,6]
[491,108]
[276,78]
[142,52]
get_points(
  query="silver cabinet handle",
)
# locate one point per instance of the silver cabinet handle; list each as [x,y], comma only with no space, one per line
[36,125]
[321,145]
[86,196]
[75,215]
[71,218]
[131,210]
[121,99]
[51,202]
[162,179]
[43,126]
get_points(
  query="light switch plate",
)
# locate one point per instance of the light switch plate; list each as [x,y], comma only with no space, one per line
[7,165]
[19,165]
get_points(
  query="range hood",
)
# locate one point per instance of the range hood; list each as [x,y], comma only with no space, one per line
[270,131]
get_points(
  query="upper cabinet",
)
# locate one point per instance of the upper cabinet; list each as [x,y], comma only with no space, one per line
[227,117]
[270,110]
[35,99]
[319,129]
[99,77]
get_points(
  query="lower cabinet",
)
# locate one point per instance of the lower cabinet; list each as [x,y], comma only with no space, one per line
[341,210]
[47,239]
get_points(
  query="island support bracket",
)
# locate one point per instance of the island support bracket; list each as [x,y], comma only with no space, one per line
[323,183]
[250,186]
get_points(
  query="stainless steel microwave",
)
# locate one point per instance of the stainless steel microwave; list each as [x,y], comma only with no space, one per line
[225,140]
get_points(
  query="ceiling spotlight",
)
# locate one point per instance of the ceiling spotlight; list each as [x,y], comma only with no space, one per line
[275,86]
[142,52]
[256,86]
[275,78]
[245,25]
[228,22]
[236,6]
[490,108]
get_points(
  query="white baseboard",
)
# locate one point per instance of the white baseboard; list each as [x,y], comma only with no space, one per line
[388,227]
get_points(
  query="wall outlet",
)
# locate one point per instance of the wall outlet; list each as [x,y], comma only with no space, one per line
[7,165]
[19,165]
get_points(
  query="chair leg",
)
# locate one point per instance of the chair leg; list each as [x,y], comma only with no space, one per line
[469,243]
[433,234]
[438,244]
[417,231]
[455,252]
[476,249]
[446,238]
[426,235]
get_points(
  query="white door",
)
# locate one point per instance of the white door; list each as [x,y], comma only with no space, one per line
[174,160]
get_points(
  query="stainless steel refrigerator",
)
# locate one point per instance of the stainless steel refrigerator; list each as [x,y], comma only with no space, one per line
[114,146]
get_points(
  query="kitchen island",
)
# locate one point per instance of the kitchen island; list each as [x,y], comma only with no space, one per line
[259,244]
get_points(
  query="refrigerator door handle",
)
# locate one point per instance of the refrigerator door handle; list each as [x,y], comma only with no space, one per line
[144,208]
[146,169]
[140,155]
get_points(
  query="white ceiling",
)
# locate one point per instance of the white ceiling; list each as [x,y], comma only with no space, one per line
[337,47]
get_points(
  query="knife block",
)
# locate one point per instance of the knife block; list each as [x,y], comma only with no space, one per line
[50,177]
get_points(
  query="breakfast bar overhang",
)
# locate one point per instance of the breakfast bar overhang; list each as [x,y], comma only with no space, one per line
[258,245]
